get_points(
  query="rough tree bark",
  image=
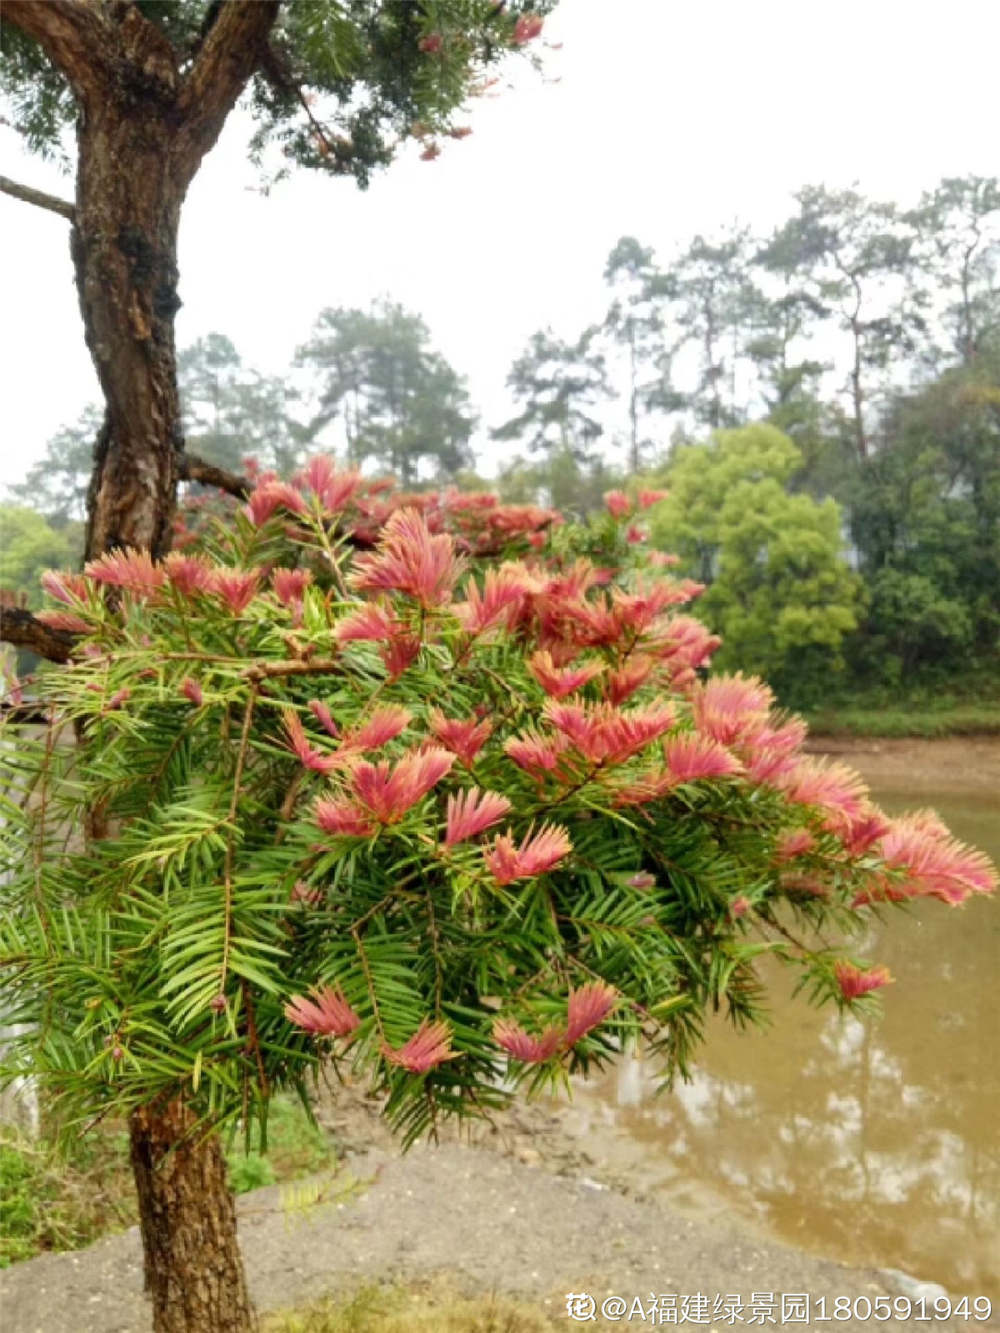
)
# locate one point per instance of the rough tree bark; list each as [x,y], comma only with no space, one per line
[194,1274]
[146,117]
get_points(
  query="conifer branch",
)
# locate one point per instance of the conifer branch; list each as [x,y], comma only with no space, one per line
[241,755]
[207,474]
[29,195]
[20,628]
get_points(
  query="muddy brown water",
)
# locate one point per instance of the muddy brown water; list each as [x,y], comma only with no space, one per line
[873,1142]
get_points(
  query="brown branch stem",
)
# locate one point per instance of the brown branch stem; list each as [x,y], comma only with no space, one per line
[29,195]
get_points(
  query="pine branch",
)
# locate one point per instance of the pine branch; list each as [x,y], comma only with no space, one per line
[28,195]
[77,38]
[207,474]
[20,628]
[233,49]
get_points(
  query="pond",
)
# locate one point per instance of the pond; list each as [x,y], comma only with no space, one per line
[873,1143]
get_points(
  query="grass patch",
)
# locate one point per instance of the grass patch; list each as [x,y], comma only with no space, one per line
[295,1148]
[51,1200]
[65,1199]
[425,1309]
[910,720]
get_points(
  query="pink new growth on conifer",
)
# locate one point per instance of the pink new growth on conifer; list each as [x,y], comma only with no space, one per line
[290,585]
[464,736]
[534,856]
[327,1015]
[537,754]
[132,570]
[560,681]
[617,503]
[324,717]
[731,708]
[66,620]
[410,560]
[307,755]
[192,690]
[400,653]
[369,622]
[497,602]
[388,791]
[854,982]
[620,684]
[835,789]
[866,830]
[690,757]
[333,489]
[527,27]
[472,811]
[931,864]
[518,1043]
[606,734]
[271,496]
[236,587]
[587,1007]
[188,573]
[64,587]
[384,725]
[429,1046]
[342,817]
[793,843]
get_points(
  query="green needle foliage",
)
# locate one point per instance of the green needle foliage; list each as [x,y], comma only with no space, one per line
[420,758]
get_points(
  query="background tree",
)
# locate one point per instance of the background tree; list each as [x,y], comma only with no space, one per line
[926,523]
[958,249]
[713,303]
[148,87]
[559,481]
[848,249]
[394,398]
[637,321]
[57,484]
[557,385]
[778,588]
[231,411]
[29,545]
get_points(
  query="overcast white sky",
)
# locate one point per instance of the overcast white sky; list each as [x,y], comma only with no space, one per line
[669,117]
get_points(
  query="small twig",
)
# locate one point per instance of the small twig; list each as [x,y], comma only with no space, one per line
[369,981]
[241,755]
[435,938]
[319,667]
[253,1044]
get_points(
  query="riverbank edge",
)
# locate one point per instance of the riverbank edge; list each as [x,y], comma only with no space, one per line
[972,722]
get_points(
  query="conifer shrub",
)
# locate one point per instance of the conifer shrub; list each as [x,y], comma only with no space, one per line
[429,786]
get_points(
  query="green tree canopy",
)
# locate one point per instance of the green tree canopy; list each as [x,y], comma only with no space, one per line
[29,545]
[779,590]
[393,397]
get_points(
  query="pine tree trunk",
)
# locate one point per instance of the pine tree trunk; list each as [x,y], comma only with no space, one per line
[147,114]
[187,1215]
[124,247]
